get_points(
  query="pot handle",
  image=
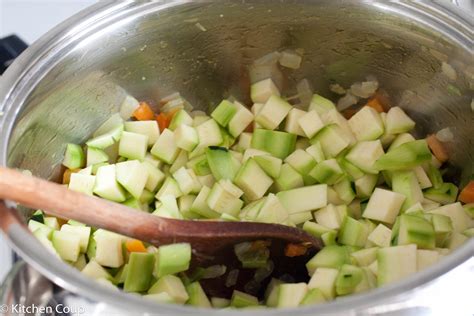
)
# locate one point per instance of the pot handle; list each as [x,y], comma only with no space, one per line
[10,48]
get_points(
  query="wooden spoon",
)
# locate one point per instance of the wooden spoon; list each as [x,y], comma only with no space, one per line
[212,241]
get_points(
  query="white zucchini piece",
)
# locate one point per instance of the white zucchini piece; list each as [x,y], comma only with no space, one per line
[251,210]
[83,232]
[365,185]
[82,183]
[165,147]
[344,190]
[349,279]
[352,233]
[207,180]
[315,229]
[95,156]
[218,302]
[332,140]
[110,124]
[253,180]
[278,144]
[155,177]
[456,240]
[107,139]
[384,206]
[273,112]
[200,119]
[167,207]
[422,178]
[290,59]
[197,296]
[200,206]
[95,271]
[187,181]
[171,285]
[169,187]
[302,143]
[366,124]
[147,128]
[272,211]
[256,108]
[400,140]
[291,123]
[209,134]
[300,218]
[222,201]
[327,171]
[316,151]
[310,123]
[406,183]
[133,145]
[224,112]
[334,117]
[395,263]
[291,294]
[426,258]
[329,257]
[271,165]
[106,185]
[415,230]
[380,236]
[67,245]
[240,120]
[245,139]
[459,218]
[221,163]
[180,161]
[365,257]
[288,179]
[133,176]
[302,162]
[128,106]
[324,279]
[406,156]
[74,157]
[241,300]
[180,118]
[304,199]
[261,91]
[152,160]
[51,222]
[365,154]
[108,252]
[398,122]
[252,152]
[329,217]
[321,105]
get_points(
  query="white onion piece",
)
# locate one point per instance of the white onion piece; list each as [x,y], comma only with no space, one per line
[346,101]
[337,88]
[445,135]
[232,278]
[449,71]
[214,271]
[290,60]
[364,89]
[305,92]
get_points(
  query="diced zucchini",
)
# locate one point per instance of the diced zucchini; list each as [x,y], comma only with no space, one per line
[197,296]
[199,165]
[332,140]
[273,112]
[155,177]
[147,128]
[380,236]
[95,271]
[278,144]
[329,217]
[344,190]
[133,145]
[108,249]
[209,134]
[327,171]
[459,218]
[321,105]
[395,263]
[426,258]
[300,218]
[335,117]
[218,302]
[139,272]
[241,299]
[83,232]
[406,183]
[352,233]
[324,279]
[173,286]
[221,163]
[169,187]
[364,155]
[422,177]
[271,292]
[82,183]
[271,165]
[406,156]
[329,257]
[400,140]
[291,295]
[200,205]
[366,124]
[95,156]
[222,201]
[107,139]
[165,147]
[180,161]
[384,206]
[133,176]
[272,211]
[365,185]
[239,122]
[224,112]
[348,279]
[291,122]
[180,118]
[261,91]
[106,185]
[186,137]
[302,162]
[67,245]
[304,199]
[252,180]
[171,259]
[315,229]
[288,179]
[128,106]
[398,122]
[365,257]
[310,123]
[74,157]
[187,181]
[316,151]
[445,194]
[167,207]
[314,296]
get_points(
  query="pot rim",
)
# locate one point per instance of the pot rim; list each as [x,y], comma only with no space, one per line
[38,59]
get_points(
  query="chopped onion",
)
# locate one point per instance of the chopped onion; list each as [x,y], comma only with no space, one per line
[364,89]
[337,88]
[346,101]
[290,59]
[305,92]
[449,71]
[214,271]
[445,135]
[268,59]
[232,278]
[262,273]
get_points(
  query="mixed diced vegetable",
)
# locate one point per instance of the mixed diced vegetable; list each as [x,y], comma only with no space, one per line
[358,180]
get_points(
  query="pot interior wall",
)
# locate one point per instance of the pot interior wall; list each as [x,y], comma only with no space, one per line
[204,50]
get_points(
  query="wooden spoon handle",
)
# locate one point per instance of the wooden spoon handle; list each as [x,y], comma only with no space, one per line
[57,200]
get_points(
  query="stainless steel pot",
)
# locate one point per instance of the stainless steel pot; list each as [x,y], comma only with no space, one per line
[69,81]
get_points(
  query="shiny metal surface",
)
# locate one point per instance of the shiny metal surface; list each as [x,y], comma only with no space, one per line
[69,81]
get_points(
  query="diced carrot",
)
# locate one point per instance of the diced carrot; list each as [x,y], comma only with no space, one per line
[348,113]
[144,112]
[134,245]
[164,119]
[295,250]
[67,175]
[437,148]
[383,99]
[467,194]
[375,104]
